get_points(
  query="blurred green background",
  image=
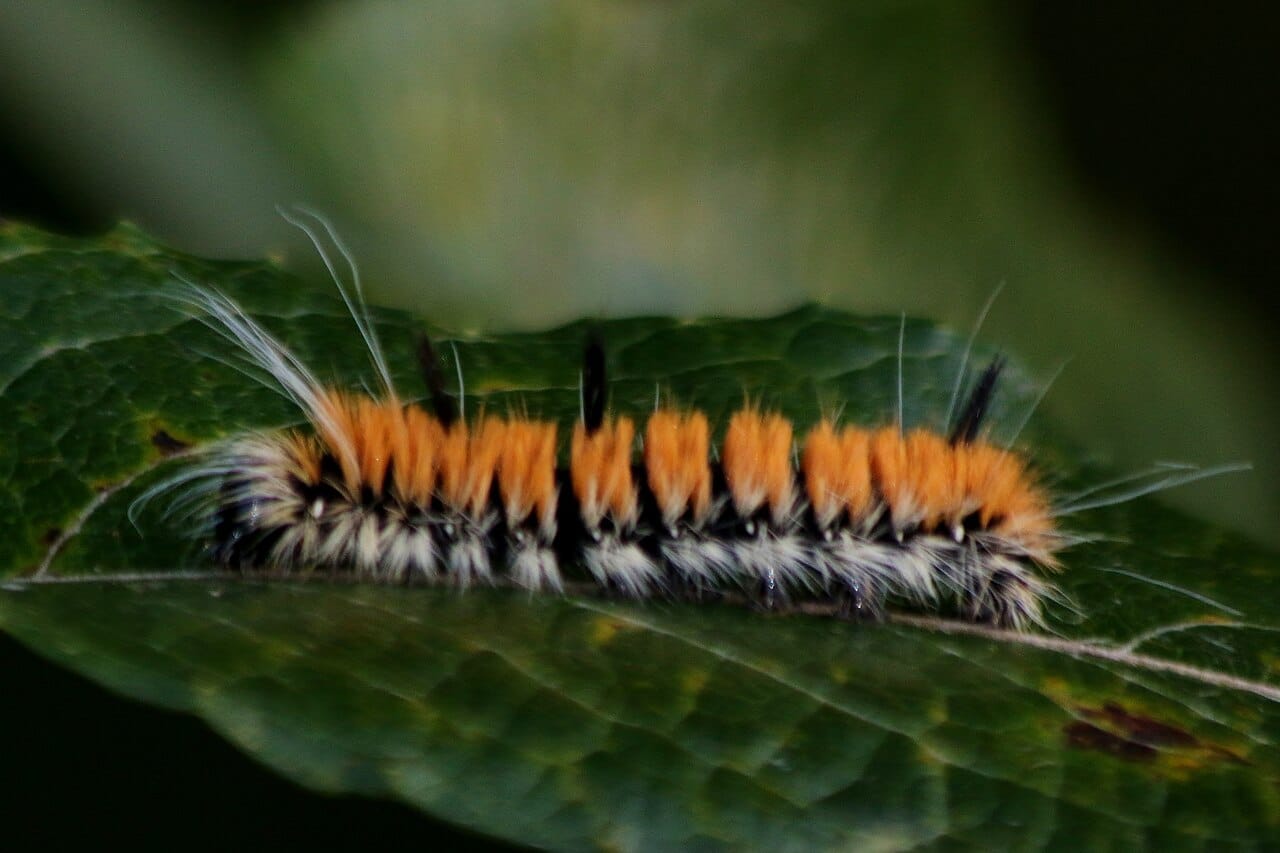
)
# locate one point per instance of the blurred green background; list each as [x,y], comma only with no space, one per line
[516,164]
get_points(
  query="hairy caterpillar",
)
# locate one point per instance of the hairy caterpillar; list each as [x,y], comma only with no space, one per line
[395,491]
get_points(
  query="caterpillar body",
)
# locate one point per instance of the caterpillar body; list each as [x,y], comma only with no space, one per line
[397,491]
[394,492]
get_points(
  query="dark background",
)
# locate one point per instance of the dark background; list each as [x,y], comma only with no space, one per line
[1166,114]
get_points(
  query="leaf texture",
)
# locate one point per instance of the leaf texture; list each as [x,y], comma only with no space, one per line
[1148,718]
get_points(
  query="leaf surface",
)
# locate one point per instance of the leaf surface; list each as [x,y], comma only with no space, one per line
[1149,717]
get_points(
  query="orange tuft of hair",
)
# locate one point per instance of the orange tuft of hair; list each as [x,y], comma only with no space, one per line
[468,461]
[375,422]
[890,472]
[454,452]
[837,473]
[415,442]
[359,431]
[998,486]
[527,471]
[931,477]
[757,463]
[482,464]
[337,428]
[600,463]
[305,454]
[676,446]
[916,476]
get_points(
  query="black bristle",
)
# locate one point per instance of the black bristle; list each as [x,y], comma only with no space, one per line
[444,406]
[976,409]
[595,393]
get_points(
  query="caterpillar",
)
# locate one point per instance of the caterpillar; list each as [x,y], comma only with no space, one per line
[395,491]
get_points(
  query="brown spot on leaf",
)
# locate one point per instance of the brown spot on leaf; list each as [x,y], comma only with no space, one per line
[51,536]
[1139,728]
[1131,736]
[1082,735]
[167,444]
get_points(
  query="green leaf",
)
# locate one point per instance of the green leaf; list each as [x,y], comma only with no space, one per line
[1148,717]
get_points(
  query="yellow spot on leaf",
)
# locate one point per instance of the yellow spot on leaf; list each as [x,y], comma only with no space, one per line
[1058,689]
[693,680]
[603,631]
